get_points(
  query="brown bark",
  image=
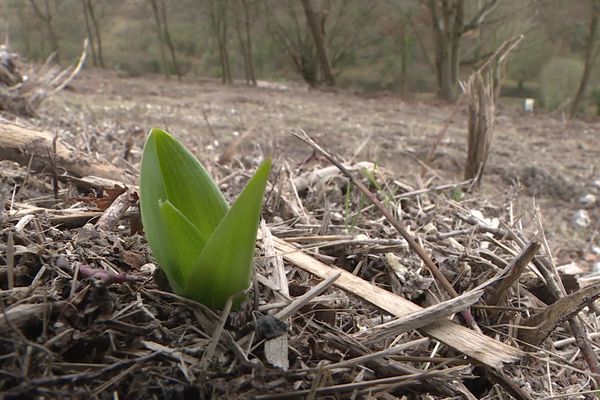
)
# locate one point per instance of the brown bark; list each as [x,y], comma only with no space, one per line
[449,26]
[480,126]
[161,43]
[167,39]
[23,145]
[249,43]
[242,25]
[589,57]
[96,27]
[218,19]
[90,33]
[242,42]
[313,22]
[164,37]
[295,43]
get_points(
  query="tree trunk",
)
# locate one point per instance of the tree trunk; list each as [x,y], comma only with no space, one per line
[161,44]
[97,32]
[449,26]
[218,20]
[315,28]
[224,42]
[242,42]
[455,36]
[445,71]
[168,41]
[242,26]
[249,42]
[90,34]
[446,31]
[589,57]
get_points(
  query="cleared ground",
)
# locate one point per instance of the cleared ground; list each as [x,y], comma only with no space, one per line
[541,157]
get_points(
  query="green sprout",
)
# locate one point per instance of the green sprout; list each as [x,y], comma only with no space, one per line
[204,247]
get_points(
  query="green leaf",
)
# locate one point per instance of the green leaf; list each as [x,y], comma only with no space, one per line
[205,248]
[152,192]
[187,184]
[185,243]
[224,267]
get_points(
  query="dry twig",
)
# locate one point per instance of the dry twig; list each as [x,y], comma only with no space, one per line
[416,247]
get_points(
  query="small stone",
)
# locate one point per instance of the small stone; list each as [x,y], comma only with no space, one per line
[337,217]
[596,267]
[588,200]
[581,219]
[270,326]
[148,269]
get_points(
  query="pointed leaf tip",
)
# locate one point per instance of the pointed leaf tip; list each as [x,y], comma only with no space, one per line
[205,247]
[224,267]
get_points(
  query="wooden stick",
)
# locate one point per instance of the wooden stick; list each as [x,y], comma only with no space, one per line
[421,318]
[416,247]
[475,345]
[540,325]
[24,145]
[516,268]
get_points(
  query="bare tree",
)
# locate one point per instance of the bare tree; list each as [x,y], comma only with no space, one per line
[168,41]
[46,12]
[242,25]
[295,42]
[161,44]
[591,51]
[90,32]
[346,31]
[93,31]
[159,10]
[449,25]
[316,25]
[341,25]
[218,22]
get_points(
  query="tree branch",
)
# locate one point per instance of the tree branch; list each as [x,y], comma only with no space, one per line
[481,15]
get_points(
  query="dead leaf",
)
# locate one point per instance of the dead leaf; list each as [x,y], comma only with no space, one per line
[102,203]
[134,259]
[111,194]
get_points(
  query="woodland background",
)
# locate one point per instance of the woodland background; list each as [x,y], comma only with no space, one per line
[416,48]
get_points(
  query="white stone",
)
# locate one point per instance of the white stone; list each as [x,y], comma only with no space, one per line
[588,200]
[148,269]
[581,219]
